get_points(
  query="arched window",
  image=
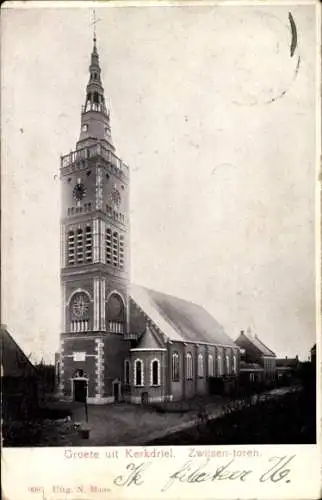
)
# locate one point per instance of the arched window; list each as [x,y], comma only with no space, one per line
[219,365]
[115,314]
[200,365]
[235,364]
[227,364]
[138,373]
[127,372]
[210,366]
[189,372]
[155,372]
[175,367]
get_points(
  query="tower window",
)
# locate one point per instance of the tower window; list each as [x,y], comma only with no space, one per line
[85,128]
[108,246]
[115,314]
[80,246]
[71,248]
[88,244]
[115,248]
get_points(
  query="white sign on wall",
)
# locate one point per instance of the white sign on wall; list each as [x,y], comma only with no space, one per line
[79,356]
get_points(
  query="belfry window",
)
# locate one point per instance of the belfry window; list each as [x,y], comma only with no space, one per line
[71,248]
[80,246]
[88,244]
[121,252]
[108,246]
[115,248]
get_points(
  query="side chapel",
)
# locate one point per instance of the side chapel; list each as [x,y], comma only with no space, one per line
[120,341]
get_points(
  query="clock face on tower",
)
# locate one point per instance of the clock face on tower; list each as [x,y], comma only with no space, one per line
[116,197]
[79,191]
[80,305]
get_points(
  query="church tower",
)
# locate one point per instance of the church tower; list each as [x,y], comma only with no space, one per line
[95,337]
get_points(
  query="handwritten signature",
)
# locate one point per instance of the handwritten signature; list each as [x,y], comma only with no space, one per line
[189,472]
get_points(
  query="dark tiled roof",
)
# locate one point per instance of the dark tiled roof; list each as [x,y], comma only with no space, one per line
[259,345]
[14,362]
[179,319]
[287,362]
[250,366]
[150,341]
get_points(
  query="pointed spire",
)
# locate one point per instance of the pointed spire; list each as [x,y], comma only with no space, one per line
[95,120]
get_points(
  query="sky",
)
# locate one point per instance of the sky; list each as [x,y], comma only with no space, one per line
[215,117]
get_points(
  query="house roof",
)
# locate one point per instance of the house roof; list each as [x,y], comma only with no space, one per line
[14,362]
[260,346]
[250,366]
[287,362]
[178,319]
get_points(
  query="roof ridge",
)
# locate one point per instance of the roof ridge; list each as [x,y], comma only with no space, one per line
[6,331]
[168,295]
[264,345]
[251,338]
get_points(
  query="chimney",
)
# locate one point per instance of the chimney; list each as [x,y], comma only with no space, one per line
[242,332]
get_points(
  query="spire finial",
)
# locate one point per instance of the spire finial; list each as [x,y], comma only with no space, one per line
[94,21]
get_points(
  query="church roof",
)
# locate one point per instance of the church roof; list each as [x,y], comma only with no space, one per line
[178,319]
[149,342]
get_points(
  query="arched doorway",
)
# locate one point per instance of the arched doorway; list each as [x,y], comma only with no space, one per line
[79,386]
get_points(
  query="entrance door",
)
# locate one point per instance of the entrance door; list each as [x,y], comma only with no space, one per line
[116,391]
[80,390]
